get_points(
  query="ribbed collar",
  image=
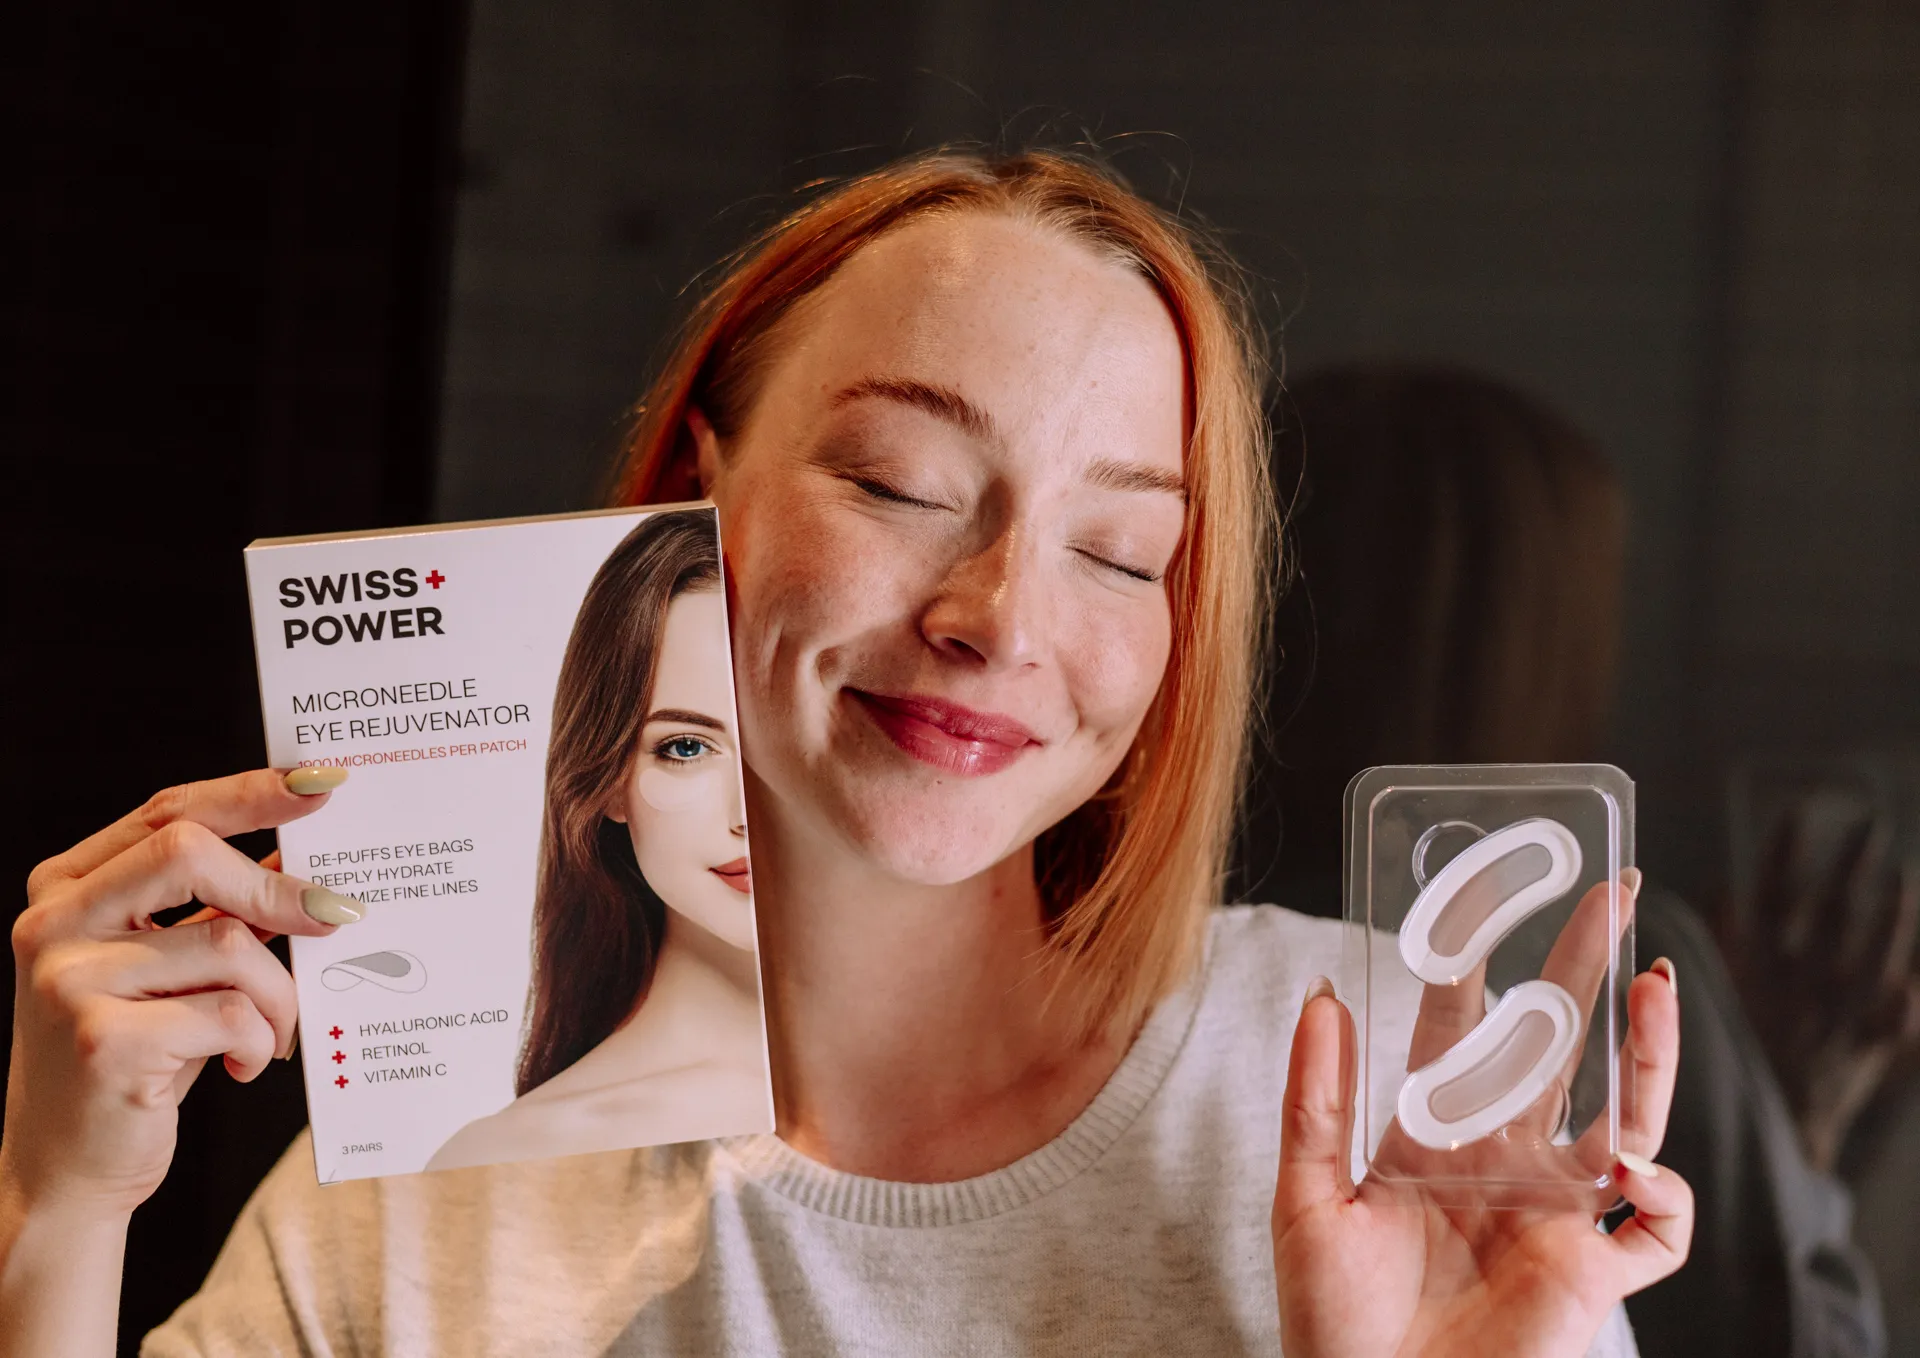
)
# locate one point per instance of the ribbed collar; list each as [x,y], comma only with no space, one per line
[772,1163]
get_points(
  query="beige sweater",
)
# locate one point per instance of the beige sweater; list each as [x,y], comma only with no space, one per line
[1141,1229]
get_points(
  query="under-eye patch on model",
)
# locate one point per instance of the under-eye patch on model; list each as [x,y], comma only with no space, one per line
[397,971]
[701,788]
[1477,899]
[1495,1073]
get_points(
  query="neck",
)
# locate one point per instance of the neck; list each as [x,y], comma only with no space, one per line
[698,950]
[911,1032]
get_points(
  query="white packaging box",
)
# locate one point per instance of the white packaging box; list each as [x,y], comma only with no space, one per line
[426,662]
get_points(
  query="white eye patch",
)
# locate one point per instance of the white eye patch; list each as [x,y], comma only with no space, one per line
[1477,899]
[1496,1072]
[397,971]
[682,791]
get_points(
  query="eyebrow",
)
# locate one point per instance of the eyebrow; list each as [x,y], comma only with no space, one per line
[1137,476]
[942,403]
[680,716]
[947,404]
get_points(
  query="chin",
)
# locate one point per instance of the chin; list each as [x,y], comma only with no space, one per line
[722,912]
[932,836]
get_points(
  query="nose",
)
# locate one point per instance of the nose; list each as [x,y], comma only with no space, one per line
[991,608]
[736,798]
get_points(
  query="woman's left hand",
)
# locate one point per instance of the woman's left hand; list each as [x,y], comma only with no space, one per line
[1386,1269]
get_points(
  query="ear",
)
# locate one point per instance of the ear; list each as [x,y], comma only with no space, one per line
[706,445]
[616,807]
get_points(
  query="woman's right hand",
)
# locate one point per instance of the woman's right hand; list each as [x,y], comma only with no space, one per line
[114,1016]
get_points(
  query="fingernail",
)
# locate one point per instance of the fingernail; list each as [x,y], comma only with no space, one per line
[1638,1164]
[1630,879]
[312,781]
[330,907]
[1317,987]
[293,1044]
[1664,965]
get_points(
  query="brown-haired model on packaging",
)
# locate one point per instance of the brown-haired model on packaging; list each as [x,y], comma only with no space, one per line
[986,441]
[643,1012]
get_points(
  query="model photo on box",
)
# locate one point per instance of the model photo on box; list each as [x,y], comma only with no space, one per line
[643,1019]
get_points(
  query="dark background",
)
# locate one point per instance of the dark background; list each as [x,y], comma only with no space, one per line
[303,267]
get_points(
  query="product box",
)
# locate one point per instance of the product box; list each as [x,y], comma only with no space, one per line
[545,824]
[1492,917]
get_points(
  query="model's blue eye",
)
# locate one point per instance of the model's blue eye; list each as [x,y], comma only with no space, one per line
[684,748]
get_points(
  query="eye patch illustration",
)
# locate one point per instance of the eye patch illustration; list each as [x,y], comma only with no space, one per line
[396,971]
[1483,893]
[1496,1072]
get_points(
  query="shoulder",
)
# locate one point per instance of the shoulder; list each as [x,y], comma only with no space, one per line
[1260,960]
[1255,947]
[1248,938]
[1265,956]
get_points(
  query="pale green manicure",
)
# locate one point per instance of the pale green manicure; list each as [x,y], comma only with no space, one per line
[311,782]
[330,907]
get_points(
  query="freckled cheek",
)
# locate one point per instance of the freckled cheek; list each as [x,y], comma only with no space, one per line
[815,583]
[1114,667]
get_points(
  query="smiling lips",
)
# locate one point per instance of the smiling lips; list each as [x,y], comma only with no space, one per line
[735,875]
[946,735]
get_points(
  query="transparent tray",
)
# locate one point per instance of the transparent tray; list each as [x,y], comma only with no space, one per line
[1488,977]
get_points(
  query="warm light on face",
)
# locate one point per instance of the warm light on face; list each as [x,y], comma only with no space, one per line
[681,801]
[947,523]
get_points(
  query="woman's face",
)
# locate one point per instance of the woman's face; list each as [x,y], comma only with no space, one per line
[681,800]
[947,521]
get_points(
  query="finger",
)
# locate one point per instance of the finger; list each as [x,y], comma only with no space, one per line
[185,861]
[199,916]
[1578,963]
[229,1027]
[1649,1065]
[1316,1116]
[1447,1014]
[139,1047]
[220,953]
[1653,1243]
[227,806]
[1652,1063]
[1588,943]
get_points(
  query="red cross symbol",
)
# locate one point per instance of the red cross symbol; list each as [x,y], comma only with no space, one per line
[340,1080]
[436,579]
[334,1032]
[338,1057]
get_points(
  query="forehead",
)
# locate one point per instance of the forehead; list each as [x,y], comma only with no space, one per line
[693,662]
[1049,336]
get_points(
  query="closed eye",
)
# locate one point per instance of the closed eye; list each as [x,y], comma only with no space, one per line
[880,490]
[1140,573]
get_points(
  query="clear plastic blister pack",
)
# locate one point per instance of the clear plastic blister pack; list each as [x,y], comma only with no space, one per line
[1488,977]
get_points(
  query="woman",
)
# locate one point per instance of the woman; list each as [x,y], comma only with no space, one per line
[643,1021]
[985,439]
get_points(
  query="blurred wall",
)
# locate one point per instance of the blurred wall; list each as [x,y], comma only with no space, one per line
[1688,225]
[225,241]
